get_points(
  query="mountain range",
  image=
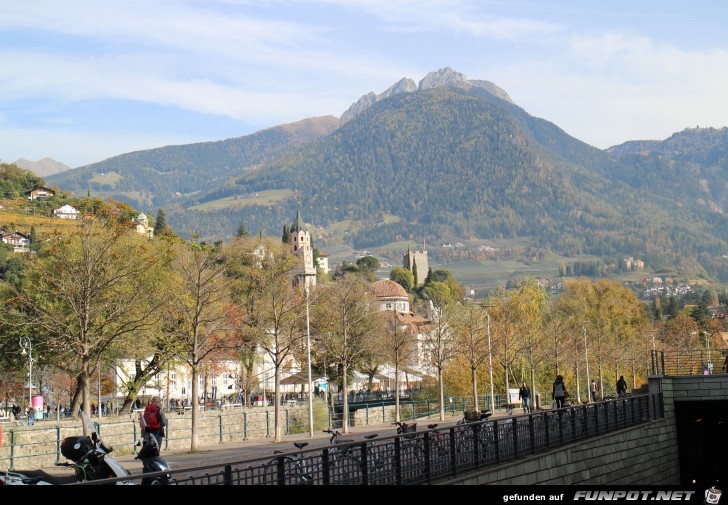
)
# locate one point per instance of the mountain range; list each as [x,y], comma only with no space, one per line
[447,160]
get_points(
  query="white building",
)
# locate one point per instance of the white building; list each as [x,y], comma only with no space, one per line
[19,241]
[66,212]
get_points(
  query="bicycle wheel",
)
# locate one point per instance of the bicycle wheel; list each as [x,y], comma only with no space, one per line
[291,472]
[345,470]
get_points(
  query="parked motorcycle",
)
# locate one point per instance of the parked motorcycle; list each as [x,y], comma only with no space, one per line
[151,460]
[87,455]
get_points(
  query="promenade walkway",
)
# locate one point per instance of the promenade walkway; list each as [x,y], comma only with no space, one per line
[250,449]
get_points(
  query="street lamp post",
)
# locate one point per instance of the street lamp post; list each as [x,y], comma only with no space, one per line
[490,364]
[308,350]
[27,348]
[707,348]
[586,358]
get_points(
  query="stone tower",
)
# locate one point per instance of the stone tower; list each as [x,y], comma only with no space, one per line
[416,262]
[300,242]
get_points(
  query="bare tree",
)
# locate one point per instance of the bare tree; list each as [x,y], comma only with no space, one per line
[198,315]
[399,345]
[346,325]
[471,337]
[439,345]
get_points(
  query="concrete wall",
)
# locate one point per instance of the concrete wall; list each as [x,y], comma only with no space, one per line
[31,447]
[644,455]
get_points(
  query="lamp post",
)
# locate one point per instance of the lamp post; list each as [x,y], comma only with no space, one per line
[490,364]
[308,350]
[576,368]
[586,358]
[27,348]
[709,363]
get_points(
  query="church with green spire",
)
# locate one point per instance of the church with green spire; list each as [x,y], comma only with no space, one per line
[299,239]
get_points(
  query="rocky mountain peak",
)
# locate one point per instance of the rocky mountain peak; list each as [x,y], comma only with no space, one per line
[445,77]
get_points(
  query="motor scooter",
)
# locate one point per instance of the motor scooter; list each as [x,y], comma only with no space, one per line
[151,460]
[87,455]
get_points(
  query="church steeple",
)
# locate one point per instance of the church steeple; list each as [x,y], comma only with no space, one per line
[300,241]
[298,224]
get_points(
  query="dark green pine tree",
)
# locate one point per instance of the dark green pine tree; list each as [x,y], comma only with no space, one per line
[414,271]
[657,308]
[242,231]
[160,223]
[33,239]
[286,234]
[672,307]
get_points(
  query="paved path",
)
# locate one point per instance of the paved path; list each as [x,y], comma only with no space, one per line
[260,447]
[218,454]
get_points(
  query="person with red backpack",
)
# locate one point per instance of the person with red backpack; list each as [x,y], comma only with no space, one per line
[155,420]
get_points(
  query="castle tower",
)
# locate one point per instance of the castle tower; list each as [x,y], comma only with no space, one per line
[300,242]
[416,262]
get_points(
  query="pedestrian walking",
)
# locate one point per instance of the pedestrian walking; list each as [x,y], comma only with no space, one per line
[621,386]
[558,392]
[524,393]
[155,420]
[593,390]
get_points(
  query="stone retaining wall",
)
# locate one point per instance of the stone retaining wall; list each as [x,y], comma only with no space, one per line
[31,447]
[641,455]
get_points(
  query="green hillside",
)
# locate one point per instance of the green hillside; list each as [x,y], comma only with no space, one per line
[441,165]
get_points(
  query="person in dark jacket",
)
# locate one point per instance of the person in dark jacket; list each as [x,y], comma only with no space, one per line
[524,393]
[558,392]
[621,386]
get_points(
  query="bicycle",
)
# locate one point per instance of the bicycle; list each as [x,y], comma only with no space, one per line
[465,438]
[307,469]
[439,445]
[409,429]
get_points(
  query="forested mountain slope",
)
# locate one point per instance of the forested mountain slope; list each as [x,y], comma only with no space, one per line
[441,164]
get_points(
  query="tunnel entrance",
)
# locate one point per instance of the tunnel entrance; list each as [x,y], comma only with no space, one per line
[702,439]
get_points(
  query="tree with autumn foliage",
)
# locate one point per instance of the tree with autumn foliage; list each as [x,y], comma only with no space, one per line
[90,289]
[470,330]
[345,326]
[270,307]
[198,313]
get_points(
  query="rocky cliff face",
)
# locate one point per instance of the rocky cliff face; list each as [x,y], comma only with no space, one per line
[440,78]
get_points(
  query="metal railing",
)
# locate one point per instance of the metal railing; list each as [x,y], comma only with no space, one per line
[689,362]
[41,443]
[428,456]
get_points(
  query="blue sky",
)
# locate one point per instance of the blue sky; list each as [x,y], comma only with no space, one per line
[85,80]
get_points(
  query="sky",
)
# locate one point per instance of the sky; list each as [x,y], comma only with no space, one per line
[84,81]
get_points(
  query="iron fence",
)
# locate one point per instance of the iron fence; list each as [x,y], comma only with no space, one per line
[40,443]
[428,456]
[689,362]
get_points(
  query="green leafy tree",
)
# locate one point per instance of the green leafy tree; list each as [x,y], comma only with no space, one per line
[270,303]
[94,287]
[403,277]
